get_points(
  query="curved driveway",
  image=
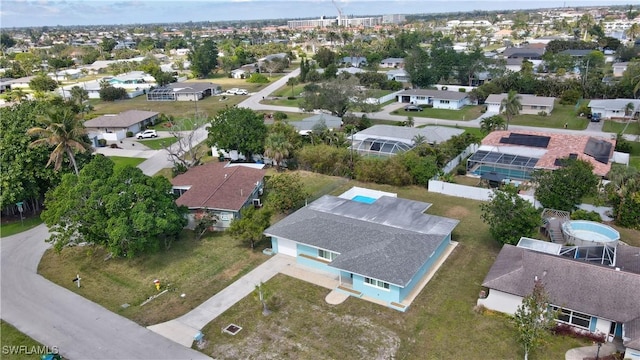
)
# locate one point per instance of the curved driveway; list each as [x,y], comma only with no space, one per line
[55,316]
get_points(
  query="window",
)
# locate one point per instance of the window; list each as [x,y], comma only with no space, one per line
[444,101]
[573,317]
[534,107]
[327,255]
[421,98]
[376,283]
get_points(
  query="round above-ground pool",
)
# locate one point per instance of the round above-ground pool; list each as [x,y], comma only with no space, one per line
[585,233]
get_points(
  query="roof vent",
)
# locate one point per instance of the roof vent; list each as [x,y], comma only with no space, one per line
[225,176]
[617,269]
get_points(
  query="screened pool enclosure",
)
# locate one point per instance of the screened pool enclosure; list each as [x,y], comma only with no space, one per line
[513,167]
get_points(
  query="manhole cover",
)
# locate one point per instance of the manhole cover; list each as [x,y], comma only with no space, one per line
[232,329]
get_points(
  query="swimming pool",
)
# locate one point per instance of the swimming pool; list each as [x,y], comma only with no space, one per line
[509,173]
[364,199]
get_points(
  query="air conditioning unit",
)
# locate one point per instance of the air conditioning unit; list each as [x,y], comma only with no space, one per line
[257,203]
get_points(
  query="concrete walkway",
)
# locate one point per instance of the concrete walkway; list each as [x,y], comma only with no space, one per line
[591,351]
[183,329]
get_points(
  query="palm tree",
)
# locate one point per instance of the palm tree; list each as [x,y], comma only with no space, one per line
[492,123]
[419,139]
[79,95]
[511,106]
[64,129]
[410,122]
[292,81]
[633,31]
[277,147]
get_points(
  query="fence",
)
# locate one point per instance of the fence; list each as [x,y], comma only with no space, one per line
[388,97]
[469,192]
[456,161]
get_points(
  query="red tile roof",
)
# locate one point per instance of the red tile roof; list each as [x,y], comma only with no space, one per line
[560,146]
[214,186]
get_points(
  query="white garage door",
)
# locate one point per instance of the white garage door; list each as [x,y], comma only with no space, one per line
[493,108]
[287,247]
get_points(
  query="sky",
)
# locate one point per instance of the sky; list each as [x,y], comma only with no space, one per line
[30,13]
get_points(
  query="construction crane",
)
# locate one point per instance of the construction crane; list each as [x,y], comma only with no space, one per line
[339,12]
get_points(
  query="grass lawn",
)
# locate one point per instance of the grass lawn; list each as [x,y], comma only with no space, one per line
[13,337]
[159,143]
[635,155]
[13,225]
[633,128]
[467,113]
[121,161]
[285,91]
[441,323]
[561,115]
[283,101]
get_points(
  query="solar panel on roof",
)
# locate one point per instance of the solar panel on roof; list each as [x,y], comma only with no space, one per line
[598,149]
[526,140]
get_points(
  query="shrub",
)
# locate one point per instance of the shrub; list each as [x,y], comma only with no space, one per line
[279,115]
[542,113]
[110,93]
[568,330]
[129,133]
[585,215]
[570,97]
[257,78]
[461,170]
[427,106]
[462,90]
[102,142]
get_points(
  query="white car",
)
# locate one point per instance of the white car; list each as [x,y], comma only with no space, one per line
[146,134]
[236,91]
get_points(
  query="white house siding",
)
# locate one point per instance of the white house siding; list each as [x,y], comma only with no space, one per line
[501,301]
[287,247]
[602,326]
[189,97]
[632,354]
[493,108]
[449,104]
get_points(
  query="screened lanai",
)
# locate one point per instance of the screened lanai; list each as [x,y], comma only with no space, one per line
[381,147]
[161,94]
[513,167]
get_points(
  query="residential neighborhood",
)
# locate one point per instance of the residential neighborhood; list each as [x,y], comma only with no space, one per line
[440,185]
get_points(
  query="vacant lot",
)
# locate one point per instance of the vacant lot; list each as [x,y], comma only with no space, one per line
[440,324]
[465,114]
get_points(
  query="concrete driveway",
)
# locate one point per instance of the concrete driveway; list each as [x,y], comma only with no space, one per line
[57,317]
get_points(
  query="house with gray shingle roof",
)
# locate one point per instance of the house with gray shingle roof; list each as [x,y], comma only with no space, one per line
[318,121]
[378,245]
[531,104]
[386,140]
[113,127]
[615,108]
[220,188]
[591,297]
[452,100]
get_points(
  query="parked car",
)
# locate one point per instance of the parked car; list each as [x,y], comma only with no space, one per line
[595,117]
[146,134]
[236,91]
[412,108]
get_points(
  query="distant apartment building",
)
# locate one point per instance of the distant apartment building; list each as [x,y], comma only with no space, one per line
[393,19]
[346,21]
[311,23]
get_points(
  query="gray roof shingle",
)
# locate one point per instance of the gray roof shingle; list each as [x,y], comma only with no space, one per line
[124,119]
[436,94]
[388,240]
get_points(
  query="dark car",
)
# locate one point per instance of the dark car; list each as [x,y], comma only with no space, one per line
[412,108]
[596,117]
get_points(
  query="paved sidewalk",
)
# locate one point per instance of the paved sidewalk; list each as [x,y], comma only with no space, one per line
[591,351]
[183,329]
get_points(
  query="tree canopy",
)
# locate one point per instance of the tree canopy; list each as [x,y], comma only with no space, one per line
[250,226]
[204,58]
[509,216]
[121,209]
[43,83]
[533,319]
[336,95]
[238,129]
[564,188]
[285,192]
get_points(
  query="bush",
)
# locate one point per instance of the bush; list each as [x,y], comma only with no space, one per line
[427,106]
[461,170]
[542,113]
[462,90]
[568,330]
[129,133]
[279,115]
[570,97]
[110,93]
[102,142]
[585,215]
[257,78]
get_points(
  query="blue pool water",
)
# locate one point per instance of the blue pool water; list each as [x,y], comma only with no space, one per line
[363,199]
[509,173]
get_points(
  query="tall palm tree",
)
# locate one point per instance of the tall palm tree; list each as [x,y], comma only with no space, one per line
[633,32]
[277,147]
[79,95]
[63,129]
[292,81]
[511,106]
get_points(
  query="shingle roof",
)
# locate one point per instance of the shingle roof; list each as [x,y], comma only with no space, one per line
[215,186]
[592,289]
[560,146]
[436,94]
[388,240]
[614,104]
[124,119]
[332,122]
[525,99]
[191,87]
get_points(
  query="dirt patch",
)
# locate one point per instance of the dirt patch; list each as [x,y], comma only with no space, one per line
[457,212]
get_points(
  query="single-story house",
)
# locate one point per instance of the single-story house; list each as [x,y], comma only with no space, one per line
[184,91]
[516,154]
[397,63]
[131,78]
[20,83]
[452,100]
[220,188]
[531,104]
[377,245]
[525,52]
[355,61]
[577,53]
[114,127]
[5,84]
[590,297]
[279,56]
[244,72]
[398,75]
[66,74]
[387,140]
[350,70]
[614,108]
[307,125]
[620,68]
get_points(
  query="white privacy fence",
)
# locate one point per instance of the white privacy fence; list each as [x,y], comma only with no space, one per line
[469,192]
[388,97]
[455,161]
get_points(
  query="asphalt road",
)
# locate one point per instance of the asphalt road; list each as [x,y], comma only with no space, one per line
[57,317]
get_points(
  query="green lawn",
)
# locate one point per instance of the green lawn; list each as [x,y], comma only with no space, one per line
[441,323]
[12,339]
[467,113]
[14,226]
[121,161]
[160,143]
[635,154]
[282,101]
[632,128]
[561,115]
[285,91]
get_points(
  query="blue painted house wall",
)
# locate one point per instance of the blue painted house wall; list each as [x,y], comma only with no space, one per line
[316,264]
[388,295]
[425,267]
[274,244]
